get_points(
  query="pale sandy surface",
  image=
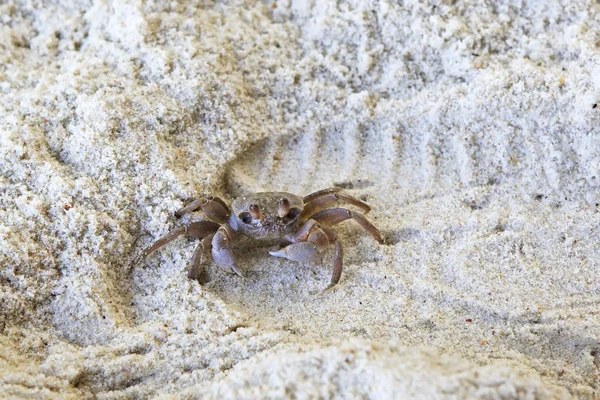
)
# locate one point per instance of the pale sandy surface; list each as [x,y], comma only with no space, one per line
[469,126]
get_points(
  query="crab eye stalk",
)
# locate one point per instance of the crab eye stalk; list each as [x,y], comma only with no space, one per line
[284,208]
[255,212]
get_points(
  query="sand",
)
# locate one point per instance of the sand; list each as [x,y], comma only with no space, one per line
[471,128]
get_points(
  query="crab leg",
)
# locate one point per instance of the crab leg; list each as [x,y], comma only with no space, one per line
[304,232]
[196,229]
[338,257]
[221,249]
[201,256]
[334,216]
[326,199]
[320,193]
[213,207]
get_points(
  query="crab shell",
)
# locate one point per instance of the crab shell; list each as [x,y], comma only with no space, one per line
[271,226]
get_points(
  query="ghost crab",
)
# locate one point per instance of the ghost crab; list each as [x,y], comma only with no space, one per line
[304,223]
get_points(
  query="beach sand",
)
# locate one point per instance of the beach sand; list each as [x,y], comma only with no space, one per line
[472,129]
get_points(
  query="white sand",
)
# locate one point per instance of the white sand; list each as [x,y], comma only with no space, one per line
[469,128]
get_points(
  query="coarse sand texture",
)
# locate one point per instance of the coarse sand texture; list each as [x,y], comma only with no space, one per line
[472,129]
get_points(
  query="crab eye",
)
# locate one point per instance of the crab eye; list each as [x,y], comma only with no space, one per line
[245,217]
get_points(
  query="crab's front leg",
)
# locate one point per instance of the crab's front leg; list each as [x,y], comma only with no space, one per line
[309,244]
[221,249]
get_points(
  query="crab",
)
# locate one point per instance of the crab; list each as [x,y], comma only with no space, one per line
[302,223]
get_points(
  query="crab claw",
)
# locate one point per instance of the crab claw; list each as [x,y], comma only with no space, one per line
[300,252]
[221,251]
[238,271]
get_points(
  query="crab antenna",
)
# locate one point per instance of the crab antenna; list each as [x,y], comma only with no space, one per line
[284,208]
[255,212]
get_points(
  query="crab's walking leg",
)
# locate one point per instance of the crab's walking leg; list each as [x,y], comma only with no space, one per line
[221,249]
[338,257]
[334,216]
[320,193]
[196,229]
[326,198]
[213,207]
[201,256]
